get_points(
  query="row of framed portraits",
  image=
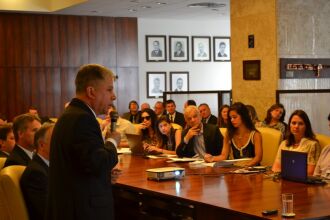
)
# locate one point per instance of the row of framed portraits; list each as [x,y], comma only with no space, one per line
[156,50]
[156,83]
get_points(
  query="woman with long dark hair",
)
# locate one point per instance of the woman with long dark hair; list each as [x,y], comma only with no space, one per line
[242,138]
[149,137]
[299,137]
[223,116]
[169,137]
[275,118]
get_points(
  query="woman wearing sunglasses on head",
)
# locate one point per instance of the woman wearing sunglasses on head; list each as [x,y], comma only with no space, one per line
[149,137]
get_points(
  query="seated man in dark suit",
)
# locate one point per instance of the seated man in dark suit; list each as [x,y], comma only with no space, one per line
[134,114]
[159,109]
[34,180]
[173,115]
[207,117]
[7,139]
[25,126]
[199,138]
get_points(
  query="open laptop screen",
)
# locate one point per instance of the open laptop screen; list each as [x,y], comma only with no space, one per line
[294,165]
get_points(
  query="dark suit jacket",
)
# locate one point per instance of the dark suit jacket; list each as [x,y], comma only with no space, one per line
[128,116]
[179,53]
[179,119]
[156,53]
[212,138]
[80,167]
[3,154]
[212,120]
[17,157]
[34,183]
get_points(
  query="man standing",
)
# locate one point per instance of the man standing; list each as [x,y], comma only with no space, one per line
[34,180]
[173,115]
[207,117]
[24,126]
[198,138]
[81,162]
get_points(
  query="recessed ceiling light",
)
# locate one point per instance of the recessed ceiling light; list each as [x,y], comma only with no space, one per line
[95,12]
[161,3]
[145,6]
[207,5]
[132,10]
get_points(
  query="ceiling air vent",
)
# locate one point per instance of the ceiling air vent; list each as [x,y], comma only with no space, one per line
[207,5]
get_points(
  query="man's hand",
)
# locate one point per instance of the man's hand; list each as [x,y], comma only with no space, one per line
[191,133]
[115,173]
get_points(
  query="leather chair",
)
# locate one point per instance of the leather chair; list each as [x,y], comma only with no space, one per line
[271,139]
[12,204]
[324,140]
[2,162]
[223,131]
[176,126]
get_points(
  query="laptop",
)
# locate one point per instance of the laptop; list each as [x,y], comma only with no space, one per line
[294,167]
[135,144]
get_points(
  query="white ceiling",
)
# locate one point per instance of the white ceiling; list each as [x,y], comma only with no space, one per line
[173,9]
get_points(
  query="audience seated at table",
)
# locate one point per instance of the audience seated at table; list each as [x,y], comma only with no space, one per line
[223,116]
[170,138]
[323,164]
[7,139]
[150,139]
[207,117]
[242,139]
[134,114]
[299,137]
[24,126]
[34,180]
[199,139]
[275,118]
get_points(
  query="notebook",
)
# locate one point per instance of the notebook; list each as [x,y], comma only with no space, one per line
[135,144]
[294,167]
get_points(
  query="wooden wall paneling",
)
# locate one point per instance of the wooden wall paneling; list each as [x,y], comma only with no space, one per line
[14,92]
[102,40]
[73,40]
[53,93]
[51,40]
[2,45]
[127,87]
[4,91]
[31,36]
[126,42]
[68,75]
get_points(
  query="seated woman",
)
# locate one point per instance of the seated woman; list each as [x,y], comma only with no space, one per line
[223,116]
[241,138]
[275,118]
[149,137]
[170,138]
[299,137]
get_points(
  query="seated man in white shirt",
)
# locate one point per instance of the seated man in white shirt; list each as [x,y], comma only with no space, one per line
[123,126]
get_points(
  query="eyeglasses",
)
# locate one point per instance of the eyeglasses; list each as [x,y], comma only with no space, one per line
[146,118]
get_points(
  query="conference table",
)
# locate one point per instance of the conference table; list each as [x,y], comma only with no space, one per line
[210,193]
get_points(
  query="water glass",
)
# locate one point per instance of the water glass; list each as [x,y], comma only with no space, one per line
[287,205]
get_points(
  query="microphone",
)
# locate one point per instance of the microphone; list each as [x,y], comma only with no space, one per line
[113,116]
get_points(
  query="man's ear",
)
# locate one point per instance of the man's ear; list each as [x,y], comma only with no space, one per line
[90,92]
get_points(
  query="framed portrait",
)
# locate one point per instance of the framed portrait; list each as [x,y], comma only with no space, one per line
[156,48]
[221,49]
[201,49]
[156,84]
[251,70]
[179,48]
[179,81]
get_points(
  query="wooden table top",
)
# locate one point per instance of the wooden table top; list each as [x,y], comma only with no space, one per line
[247,193]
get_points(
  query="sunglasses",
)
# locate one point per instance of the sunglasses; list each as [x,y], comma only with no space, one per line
[146,118]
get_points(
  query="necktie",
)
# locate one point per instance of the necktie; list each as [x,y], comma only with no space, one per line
[171,118]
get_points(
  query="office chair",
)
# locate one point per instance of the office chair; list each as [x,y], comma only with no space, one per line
[12,201]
